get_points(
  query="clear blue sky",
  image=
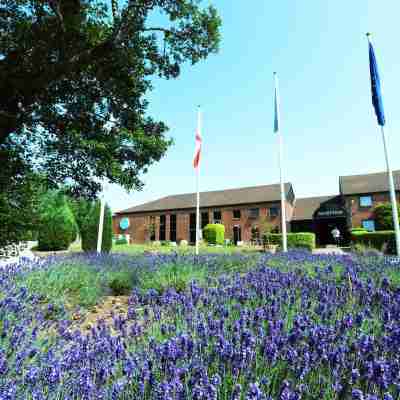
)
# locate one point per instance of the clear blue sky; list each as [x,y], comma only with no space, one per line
[320,52]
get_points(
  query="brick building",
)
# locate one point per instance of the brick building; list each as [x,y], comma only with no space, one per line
[174,217]
[241,210]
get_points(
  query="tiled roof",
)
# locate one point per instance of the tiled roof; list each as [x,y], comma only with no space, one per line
[247,195]
[304,208]
[368,183]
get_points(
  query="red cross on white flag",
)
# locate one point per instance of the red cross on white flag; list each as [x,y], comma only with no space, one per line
[197,151]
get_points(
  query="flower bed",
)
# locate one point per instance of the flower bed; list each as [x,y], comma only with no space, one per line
[282,327]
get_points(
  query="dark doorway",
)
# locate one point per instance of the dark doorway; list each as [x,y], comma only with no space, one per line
[204,219]
[237,234]
[192,228]
[172,228]
[162,228]
[323,230]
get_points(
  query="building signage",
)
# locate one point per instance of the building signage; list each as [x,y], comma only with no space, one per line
[124,223]
[334,212]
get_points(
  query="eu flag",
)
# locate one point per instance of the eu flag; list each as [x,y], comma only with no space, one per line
[376,87]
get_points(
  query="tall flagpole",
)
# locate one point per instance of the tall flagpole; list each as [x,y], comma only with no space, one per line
[380,114]
[392,193]
[278,131]
[197,189]
[101,223]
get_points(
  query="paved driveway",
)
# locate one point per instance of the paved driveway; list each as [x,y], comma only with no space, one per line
[329,250]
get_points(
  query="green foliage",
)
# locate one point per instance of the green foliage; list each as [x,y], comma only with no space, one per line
[57,228]
[384,217]
[72,284]
[173,276]
[358,229]
[91,229]
[121,241]
[380,240]
[81,208]
[122,282]
[214,233]
[74,82]
[294,240]
[20,191]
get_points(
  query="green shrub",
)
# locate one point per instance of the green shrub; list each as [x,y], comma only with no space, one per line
[214,233]
[122,282]
[380,240]
[165,243]
[358,229]
[57,228]
[384,217]
[294,240]
[91,227]
[121,241]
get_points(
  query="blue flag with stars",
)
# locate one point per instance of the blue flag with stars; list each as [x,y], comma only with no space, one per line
[376,87]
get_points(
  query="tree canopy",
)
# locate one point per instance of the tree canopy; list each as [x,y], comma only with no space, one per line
[74,75]
[384,216]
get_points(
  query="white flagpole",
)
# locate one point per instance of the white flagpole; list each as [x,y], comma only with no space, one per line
[278,131]
[101,223]
[392,193]
[197,189]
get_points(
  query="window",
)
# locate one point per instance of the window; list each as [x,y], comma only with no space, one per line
[162,228]
[152,228]
[254,212]
[217,216]
[365,201]
[204,219]
[172,228]
[368,224]
[273,211]
[236,214]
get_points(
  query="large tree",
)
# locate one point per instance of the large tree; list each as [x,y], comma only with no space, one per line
[73,81]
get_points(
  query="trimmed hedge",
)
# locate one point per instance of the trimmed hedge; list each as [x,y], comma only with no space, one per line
[378,240]
[214,234]
[58,228]
[294,240]
[91,227]
[355,230]
[120,241]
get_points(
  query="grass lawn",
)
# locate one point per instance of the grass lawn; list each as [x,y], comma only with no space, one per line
[137,249]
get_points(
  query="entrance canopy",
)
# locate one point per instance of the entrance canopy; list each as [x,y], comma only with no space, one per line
[321,215]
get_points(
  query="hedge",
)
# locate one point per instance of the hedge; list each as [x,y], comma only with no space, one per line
[294,240]
[91,227]
[57,228]
[377,240]
[214,233]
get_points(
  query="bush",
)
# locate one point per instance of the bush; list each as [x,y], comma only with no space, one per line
[380,240]
[57,228]
[122,282]
[294,240]
[91,227]
[384,217]
[359,229]
[214,233]
[121,241]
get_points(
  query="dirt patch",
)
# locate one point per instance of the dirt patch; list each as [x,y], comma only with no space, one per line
[110,306]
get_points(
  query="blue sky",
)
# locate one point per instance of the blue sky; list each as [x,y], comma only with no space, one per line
[320,52]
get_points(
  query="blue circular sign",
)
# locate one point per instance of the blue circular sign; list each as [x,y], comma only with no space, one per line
[124,223]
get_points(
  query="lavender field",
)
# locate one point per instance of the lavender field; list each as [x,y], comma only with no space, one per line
[280,327]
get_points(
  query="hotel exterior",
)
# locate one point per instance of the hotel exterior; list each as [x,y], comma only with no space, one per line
[242,210]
